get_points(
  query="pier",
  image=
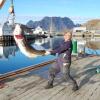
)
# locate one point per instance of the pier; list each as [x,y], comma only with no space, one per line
[27,86]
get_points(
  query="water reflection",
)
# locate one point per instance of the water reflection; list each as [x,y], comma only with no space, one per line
[10,48]
[49,43]
[16,60]
[42,43]
[6,51]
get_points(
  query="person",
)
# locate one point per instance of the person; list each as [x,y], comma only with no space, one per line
[64,51]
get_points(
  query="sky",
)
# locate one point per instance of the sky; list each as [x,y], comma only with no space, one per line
[78,10]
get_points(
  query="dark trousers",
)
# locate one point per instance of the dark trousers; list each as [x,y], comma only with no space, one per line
[65,69]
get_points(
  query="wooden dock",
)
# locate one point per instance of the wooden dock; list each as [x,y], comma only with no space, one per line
[31,86]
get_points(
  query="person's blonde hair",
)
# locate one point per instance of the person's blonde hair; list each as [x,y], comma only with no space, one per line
[68,31]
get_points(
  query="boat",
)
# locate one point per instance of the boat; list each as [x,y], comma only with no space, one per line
[6,28]
[6,31]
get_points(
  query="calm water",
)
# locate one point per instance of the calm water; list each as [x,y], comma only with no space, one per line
[12,59]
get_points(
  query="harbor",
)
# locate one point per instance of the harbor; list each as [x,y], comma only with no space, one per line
[27,44]
[25,79]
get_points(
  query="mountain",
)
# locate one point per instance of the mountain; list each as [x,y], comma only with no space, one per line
[93,24]
[58,24]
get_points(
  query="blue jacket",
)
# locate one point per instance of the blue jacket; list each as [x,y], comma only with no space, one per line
[66,48]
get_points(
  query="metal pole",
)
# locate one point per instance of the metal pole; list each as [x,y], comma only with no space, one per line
[13,13]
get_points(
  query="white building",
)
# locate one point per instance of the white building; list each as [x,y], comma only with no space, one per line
[38,30]
[79,29]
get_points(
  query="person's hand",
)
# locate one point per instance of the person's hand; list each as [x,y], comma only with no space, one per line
[47,53]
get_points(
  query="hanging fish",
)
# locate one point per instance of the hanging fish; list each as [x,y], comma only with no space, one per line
[2,3]
[22,44]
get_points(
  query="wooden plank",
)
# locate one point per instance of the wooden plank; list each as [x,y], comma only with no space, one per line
[29,68]
[22,92]
[96,94]
[63,94]
[46,93]
[16,90]
[18,82]
[85,92]
[35,90]
[32,87]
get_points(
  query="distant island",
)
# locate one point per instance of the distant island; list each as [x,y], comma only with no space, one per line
[58,24]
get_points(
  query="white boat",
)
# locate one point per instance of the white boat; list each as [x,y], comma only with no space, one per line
[6,28]
[6,31]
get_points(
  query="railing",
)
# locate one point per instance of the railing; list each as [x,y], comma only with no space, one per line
[29,68]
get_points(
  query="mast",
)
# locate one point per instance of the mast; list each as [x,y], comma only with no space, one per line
[12,13]
[50,33]
[50,26]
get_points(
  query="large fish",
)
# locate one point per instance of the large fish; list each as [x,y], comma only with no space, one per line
[2,3]
[22,44]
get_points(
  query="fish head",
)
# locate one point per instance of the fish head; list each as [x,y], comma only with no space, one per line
[18,34]
[17,30]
